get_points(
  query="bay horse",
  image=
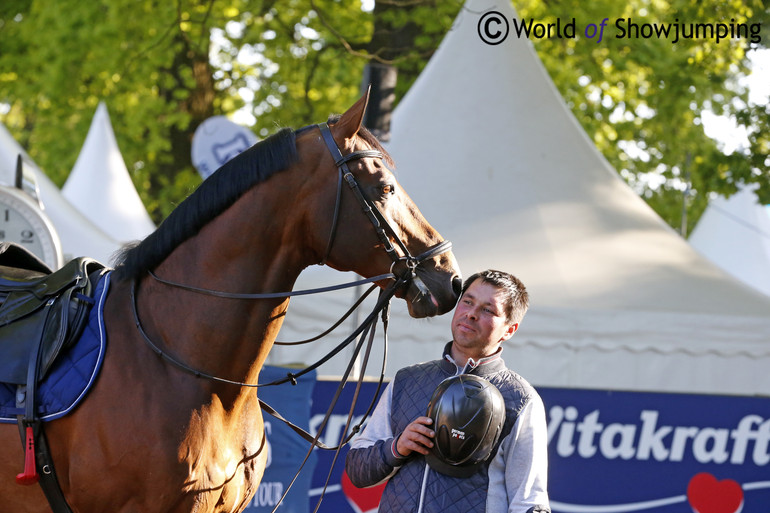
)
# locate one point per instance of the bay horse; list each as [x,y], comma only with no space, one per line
[150,438]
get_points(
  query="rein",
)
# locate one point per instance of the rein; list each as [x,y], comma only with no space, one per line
[384,231]
[385,297]
[269,295]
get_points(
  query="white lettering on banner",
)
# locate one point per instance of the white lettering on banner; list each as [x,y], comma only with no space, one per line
[744,433]
[268,432]
[268,495]
[617,441]
[588,429]
[710,445]
[564,445]
[651,440]
[647,440]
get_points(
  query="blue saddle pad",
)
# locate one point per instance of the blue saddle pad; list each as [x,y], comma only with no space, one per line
[72,374]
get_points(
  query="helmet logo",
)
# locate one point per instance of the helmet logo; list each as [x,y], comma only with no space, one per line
[456,433]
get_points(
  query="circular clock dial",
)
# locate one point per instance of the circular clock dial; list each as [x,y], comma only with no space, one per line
[23,222]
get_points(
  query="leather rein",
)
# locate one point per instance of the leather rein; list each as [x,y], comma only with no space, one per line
[385,233]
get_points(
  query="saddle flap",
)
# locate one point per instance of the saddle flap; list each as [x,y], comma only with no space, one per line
[45,311]
[15,256]
[18,304]
[17,349]
[75,272]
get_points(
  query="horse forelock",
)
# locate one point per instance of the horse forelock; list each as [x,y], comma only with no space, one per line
[217,193]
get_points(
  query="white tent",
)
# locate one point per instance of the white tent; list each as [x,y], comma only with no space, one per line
[100,187]
[488,150]
[734,233]
[78,235]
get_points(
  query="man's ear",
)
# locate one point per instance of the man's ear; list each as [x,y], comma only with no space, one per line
[511,330]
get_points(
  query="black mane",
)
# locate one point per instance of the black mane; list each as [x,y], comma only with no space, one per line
[218,192]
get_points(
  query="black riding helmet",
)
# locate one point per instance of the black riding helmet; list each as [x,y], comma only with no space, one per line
[468,414]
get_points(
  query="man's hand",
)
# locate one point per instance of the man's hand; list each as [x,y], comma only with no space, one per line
[417,437]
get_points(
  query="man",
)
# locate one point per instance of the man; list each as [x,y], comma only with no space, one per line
[399,435]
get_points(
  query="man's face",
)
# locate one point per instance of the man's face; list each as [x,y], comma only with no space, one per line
[479,323]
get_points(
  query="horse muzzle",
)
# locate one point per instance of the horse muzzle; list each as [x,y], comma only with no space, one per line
[432,291]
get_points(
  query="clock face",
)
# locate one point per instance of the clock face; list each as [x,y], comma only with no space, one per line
[23,222]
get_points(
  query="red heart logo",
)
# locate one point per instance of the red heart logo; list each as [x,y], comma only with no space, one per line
[361,499]
[707,495]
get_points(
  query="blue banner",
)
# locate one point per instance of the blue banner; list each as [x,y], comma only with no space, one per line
[609,452]
[616,452]
[286,450]
[340,496]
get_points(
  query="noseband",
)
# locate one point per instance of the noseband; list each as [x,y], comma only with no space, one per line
[382,227]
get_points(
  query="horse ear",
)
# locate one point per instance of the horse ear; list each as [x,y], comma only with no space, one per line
[350,122]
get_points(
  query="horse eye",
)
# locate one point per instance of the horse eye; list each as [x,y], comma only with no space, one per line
[388,189]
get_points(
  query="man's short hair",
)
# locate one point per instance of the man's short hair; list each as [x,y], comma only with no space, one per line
[516,296]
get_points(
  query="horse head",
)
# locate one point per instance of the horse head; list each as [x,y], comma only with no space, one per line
[371,225]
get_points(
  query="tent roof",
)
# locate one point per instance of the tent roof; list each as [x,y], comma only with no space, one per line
[488,150]
[734,233]
[78,235]
[100,187]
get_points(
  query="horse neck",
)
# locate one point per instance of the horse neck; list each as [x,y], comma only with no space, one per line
[229,337]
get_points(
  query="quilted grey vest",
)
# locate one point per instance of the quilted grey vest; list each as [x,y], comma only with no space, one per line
[412,389]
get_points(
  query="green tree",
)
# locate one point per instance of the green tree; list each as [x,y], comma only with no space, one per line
[641,99]
[164,67]
[147,60]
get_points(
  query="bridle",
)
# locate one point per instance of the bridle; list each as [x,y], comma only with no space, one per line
[382,227]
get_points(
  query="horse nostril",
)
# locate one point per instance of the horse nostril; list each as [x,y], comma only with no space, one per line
[457,285]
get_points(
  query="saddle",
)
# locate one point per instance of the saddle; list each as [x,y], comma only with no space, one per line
[42,313]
